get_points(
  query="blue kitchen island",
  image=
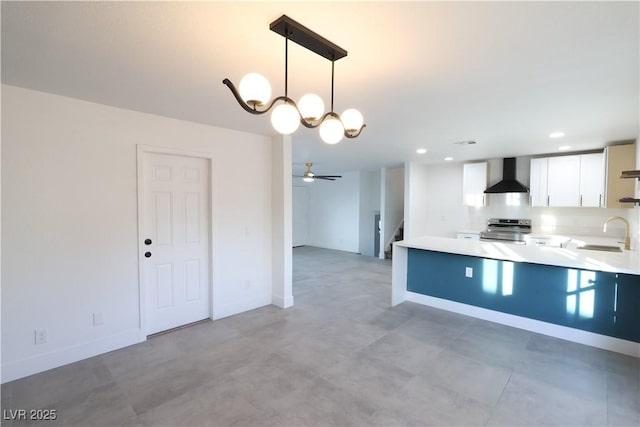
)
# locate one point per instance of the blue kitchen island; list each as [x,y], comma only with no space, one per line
[579,295]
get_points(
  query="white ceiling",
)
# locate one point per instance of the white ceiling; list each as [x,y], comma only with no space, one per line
[424,74]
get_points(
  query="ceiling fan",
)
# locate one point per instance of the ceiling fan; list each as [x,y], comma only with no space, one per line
[309,176]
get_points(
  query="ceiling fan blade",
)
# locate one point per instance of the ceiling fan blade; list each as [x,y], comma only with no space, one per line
[328,176]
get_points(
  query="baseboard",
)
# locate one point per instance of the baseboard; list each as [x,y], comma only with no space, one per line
[63,356]
[618,345]
[221,311]
[282,302]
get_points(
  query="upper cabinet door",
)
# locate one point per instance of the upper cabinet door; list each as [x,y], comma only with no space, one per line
[474,182]
[538,182]
[592,180]
[564,181]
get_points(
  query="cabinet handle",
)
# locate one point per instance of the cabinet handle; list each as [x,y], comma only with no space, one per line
[530,200]
[581,200]
[547,200]
[599,200]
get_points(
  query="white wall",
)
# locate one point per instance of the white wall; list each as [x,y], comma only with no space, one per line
[334,213]
[341,212]
[369,207]
[434,202]
[391,203]
[69,223]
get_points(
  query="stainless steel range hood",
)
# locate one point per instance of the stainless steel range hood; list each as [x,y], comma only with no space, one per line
[509,184]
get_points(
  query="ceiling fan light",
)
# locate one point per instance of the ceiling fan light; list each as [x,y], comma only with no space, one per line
[255,89]
[352,120]
[308,179]
[311,107]
[285,119]
[331,130]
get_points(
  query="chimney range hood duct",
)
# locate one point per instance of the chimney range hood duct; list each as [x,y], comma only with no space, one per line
[508,183]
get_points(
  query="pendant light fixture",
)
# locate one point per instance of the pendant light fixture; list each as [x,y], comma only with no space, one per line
[254,91]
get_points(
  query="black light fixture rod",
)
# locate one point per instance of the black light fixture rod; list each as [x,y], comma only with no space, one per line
[332,67]
[286,66]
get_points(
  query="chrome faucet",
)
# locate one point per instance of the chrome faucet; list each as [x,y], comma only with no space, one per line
[627,237]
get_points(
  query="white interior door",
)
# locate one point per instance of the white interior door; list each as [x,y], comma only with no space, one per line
[175,234]
[300,202]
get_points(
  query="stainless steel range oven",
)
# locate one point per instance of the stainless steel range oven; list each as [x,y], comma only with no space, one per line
[506,230]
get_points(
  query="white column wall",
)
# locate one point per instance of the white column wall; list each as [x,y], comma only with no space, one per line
[415,200]
[282,243]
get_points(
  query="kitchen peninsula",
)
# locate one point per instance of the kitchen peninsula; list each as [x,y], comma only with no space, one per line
[590,297]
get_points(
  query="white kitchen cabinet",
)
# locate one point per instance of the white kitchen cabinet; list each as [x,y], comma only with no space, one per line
[563,186]
[567,181]
[538,182]
[592,180]
[474,182]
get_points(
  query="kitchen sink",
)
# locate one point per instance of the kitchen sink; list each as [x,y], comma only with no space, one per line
[601,248]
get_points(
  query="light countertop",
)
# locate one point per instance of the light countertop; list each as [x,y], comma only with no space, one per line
[625,262]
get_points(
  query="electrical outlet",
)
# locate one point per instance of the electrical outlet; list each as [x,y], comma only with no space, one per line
[468,272]
[40,336]
[97,319]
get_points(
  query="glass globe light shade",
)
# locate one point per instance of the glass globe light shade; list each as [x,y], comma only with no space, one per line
[352,120]
[255,89]
[285,119]
[311,107]
[308,179]
[331,130]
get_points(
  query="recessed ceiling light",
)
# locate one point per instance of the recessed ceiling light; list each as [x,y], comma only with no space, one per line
[421,150]
[448,159]
[564,148]
[556,135]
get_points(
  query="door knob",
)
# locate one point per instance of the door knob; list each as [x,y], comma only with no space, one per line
[147,242]
[147,254]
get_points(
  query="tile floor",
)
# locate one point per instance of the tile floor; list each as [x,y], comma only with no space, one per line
[341,356]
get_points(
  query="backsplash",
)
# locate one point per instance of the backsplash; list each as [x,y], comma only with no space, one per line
[565,221]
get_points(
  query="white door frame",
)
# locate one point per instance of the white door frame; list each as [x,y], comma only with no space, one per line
[141,150]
